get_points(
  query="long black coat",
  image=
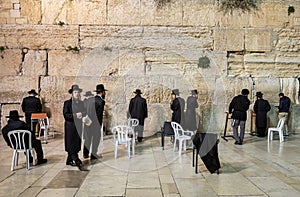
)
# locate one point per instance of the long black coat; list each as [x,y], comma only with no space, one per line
[261,108]
[95,109]
[31,104]
[175,107]
[190,115]
[15,125]
[238,107]
[73,125]
[138,108]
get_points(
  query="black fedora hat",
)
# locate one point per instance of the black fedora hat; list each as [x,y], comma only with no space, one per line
[259,94]
[137,91]
[74,87]
[14,114]
[194,92]
[32,91]
[88,93]
[100,88]
[176,92]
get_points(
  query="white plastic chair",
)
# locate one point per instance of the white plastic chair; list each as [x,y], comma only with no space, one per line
[133,122]
[44,126]
[121,133]
[278,129]
[181,136]
[17,140]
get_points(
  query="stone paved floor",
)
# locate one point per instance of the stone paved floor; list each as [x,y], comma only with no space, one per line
[253,169]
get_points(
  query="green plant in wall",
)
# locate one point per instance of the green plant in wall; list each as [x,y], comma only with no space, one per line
[161,3]
[243,5]
[74,49]
[61,23]
[2,48]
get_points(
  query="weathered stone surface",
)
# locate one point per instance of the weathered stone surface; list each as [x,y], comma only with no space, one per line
[229,39]
[10,62]
[170,15]
[34,63]
[288,39]
[14,88]
[258,39]
[199,15]
[32,10]
[129,10]
[39,36]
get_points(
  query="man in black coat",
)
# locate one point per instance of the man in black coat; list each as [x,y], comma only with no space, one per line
[190,115]
[138,109]
[73,112]
[92,135]
[261,108]
[176,107]
[14,123]
[238,108]
[31,104]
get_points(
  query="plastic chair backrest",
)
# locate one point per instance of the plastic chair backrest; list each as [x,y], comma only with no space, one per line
[42,123]
[281,123]
[17,139]
[133,122]
[178,130]
[120,133]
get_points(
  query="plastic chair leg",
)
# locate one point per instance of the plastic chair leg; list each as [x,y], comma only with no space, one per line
[128,148]
[133,144]
[116,149]
[180,147]
[13,161]
[27,160]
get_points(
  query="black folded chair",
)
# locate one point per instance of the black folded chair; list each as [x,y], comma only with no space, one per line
[167,130]
[206,145]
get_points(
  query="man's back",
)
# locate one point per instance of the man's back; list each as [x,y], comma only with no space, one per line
[13,125]
[31,104]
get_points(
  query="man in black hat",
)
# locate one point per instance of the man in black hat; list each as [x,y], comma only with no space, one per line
[73,112]
[138,109]
[261,108]
[177,106]
[238,108]
[190,115]
[95,109]
[14,123]
[31,104]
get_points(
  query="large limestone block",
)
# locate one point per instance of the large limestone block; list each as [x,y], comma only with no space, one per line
[258,39]
[236,19]
[199,13]
[124,12]
[270,14]
[64,63]
[10,62]
[39,36]
[34,63]
[170,15]
[14,88]
[32,10]
[74,12]
[229,39]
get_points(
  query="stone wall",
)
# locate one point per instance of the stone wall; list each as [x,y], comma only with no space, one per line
[186,44]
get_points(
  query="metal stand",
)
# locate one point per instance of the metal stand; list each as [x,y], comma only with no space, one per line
[225,129]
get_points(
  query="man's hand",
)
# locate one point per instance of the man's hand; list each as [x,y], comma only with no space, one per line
[79,115]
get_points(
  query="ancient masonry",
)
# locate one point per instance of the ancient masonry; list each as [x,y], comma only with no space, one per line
[49,45]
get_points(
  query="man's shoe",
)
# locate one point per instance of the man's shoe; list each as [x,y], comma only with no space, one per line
[238,143]
[94,157]
[39,162]
[70,163]
[85,156]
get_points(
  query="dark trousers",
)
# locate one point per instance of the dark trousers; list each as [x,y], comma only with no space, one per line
[37,145]
[28,122]
[91,138]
